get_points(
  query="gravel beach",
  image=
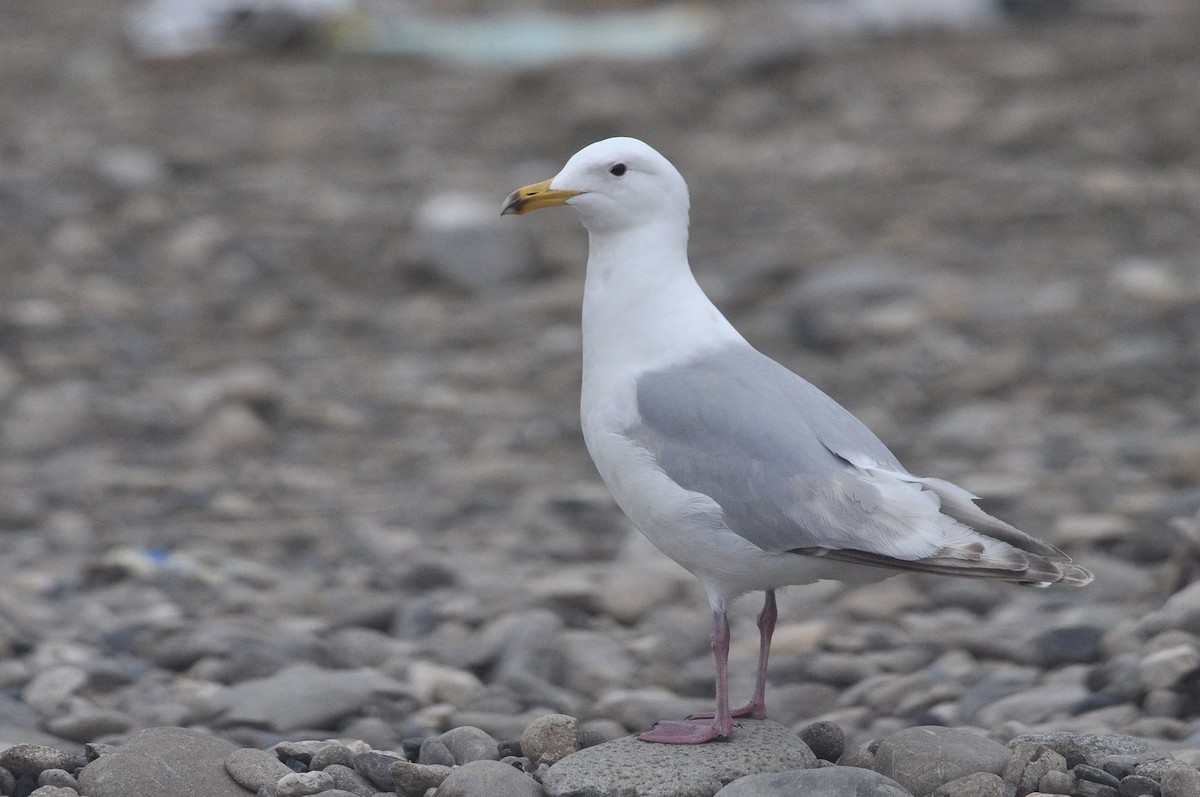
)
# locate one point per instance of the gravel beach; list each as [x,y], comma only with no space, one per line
[293,494]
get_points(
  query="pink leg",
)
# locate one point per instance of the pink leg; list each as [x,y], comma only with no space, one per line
[757,707]
[692,731]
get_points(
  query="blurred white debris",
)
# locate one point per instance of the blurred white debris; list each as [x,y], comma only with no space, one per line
[522,38]
[180,28]
[819,18]
[159,29]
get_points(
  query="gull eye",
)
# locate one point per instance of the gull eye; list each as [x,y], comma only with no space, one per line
[617,169]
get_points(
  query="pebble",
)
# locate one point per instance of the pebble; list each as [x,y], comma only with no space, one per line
[923,758]
[29,760]
[650,770]
[302,784]
[468,743]
[303,696]
[254,769]
[54,791]
[376,767]
[551,738]
[163,762]
[346,779]
[413,780]
[833,781]
[825,739]
[485,778]
[977,784]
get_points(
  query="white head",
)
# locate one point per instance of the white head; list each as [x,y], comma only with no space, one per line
[614,185]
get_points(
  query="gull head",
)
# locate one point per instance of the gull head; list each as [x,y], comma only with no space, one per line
[615,184]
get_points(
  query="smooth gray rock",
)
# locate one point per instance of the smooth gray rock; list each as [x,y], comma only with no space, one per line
[467,743]
[376,767]
[53,791]
[484,778]
[163,762]
[304,696]
[89,723]
[57,777]
[413,780]
[826,739]
[823,782]
[551,738]
[33,759]
[977,784]
[254,768]
[923,758]
[434,751]
[347,779]
[332,754]
[303,784]
[634,768]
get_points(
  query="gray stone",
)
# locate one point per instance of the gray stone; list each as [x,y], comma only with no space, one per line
[468,743]
[332,754]
[304,696]
[923,758]
[1085,748]
[50,690]
[435,751]
[8,783]
[551,738]
[484,778]
[254,769]
[53,791]
[1031,706]
[1056,782]
[1180,781]
[376,767]
[163,762]
[630,766]
[977,784]
[89,723]
[1139,786]
[825,739]
[413,780]
[1095,775]
[832,781]
[1028,766]
[862,757]
[33,759]
[1163,669]
[347,779]
[303,784]
[1078,644]
[57,777]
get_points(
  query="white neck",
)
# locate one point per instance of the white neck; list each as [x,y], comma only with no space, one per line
[642,308]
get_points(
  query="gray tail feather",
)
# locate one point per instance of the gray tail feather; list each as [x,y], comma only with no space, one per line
[1025,568]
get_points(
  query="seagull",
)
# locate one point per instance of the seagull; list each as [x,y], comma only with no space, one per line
[738,469]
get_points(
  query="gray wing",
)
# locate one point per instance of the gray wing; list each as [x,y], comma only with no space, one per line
[792,470]
[770,448]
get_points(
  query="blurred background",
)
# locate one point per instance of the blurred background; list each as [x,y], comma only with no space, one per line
[268,351]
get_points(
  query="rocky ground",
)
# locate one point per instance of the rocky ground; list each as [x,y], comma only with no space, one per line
[289,446]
